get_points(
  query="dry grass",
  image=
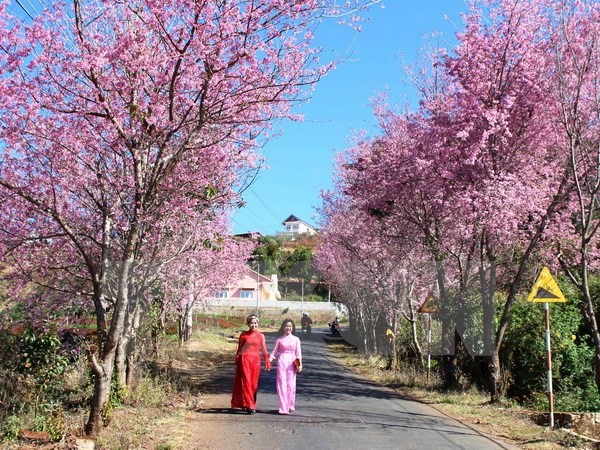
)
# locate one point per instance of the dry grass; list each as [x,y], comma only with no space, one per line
[196,363]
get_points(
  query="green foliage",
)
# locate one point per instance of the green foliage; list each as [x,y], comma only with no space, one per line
[405,348]
[9,430]
[307,298]
[52,420]
[39,355]
[274,258]
[270,254]
[524,356]
[38,378]
[149,392]
[118,393]
[315,298]
[523,352]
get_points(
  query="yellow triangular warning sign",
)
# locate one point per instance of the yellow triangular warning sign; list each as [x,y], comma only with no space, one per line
[430,305]
[545,289]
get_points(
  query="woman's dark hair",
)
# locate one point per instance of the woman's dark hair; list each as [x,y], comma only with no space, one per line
[250,317]
[281,331]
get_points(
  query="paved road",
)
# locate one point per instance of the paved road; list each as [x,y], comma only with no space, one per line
[335,409]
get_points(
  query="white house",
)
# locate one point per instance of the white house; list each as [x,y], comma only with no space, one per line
[293,225]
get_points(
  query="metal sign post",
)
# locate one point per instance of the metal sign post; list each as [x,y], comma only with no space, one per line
[549,362]
[428,346]
[546,290]
[428,307]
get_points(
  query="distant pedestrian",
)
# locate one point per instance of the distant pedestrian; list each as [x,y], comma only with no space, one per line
[251,344]
[288,352]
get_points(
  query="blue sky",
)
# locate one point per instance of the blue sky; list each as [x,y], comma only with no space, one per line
[300,160]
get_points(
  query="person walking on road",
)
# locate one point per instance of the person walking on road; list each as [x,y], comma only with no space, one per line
[288,353]
[251,344]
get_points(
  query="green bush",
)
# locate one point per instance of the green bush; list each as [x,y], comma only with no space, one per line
[9,430]
[524,356]
[293,297]
[36,380]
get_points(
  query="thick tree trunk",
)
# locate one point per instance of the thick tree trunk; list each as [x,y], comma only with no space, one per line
[412,318]
[104,368]
[448,342]
[395,363]
[103,375]
[488,289]
[121,363]
[180,329]
[126,346]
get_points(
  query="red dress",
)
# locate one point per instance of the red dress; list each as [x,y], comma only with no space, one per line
[247,369]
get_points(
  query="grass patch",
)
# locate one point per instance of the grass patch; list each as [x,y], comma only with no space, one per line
[170,405]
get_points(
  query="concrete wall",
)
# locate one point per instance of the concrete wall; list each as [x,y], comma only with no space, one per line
[292,305]
[273,312]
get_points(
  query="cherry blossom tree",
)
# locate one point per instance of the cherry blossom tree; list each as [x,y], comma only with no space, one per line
[504,131]
[115,115]
[576,89]
[481,171]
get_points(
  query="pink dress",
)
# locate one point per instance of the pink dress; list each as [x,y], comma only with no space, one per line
[287,349]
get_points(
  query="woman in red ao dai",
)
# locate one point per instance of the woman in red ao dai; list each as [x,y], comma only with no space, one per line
[251,345]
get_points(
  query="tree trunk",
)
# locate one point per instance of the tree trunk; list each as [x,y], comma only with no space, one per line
[126,345]
[495,376]
[488,289]
[590,315]
[447,348]
[412,318]
[395,363]
[103,369]
[121,364]
[102,379]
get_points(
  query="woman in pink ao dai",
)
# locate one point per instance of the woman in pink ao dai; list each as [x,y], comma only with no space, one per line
[287,349]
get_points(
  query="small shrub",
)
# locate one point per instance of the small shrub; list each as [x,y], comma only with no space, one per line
[54,421]
[9,430]
[148,392]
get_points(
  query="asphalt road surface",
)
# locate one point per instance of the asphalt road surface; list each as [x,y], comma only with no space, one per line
[335,409]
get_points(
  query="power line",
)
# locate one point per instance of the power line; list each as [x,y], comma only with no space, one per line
[244,214]
[33,8]
[24,9]
[265,223]
[269,210]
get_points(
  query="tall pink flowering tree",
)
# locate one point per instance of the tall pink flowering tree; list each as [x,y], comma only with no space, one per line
[482,170]
[114,115]
[576,97]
